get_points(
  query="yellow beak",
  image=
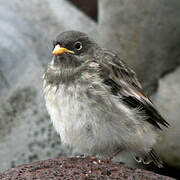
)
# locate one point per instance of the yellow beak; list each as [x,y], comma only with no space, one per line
[59,50]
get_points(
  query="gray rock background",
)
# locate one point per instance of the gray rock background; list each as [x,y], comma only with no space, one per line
[145,33]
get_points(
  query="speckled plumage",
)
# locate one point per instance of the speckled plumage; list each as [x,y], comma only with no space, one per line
[96,102]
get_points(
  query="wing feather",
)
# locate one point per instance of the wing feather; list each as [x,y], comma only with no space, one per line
[123,83]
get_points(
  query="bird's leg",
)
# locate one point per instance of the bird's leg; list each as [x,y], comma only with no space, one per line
[115,153]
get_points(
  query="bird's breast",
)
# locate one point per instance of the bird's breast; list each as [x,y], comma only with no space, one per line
[87,119]
[69,113]
[80,117]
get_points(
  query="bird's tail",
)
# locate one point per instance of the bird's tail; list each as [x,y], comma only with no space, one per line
[150,157]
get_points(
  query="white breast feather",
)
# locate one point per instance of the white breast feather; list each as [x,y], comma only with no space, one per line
[89,128]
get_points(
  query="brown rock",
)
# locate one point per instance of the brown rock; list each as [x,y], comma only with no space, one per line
[78,168]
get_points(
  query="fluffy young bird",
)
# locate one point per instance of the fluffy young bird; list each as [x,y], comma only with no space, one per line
[96,102]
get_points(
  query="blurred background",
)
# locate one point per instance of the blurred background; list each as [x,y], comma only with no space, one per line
[146,34]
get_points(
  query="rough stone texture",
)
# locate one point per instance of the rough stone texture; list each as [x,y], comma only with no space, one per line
[78,168]
[145,33]
[27,29]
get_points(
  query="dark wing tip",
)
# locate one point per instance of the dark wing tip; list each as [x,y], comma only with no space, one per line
[156,160]
[155,116]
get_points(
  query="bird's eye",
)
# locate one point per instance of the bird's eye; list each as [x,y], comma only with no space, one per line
[78,45]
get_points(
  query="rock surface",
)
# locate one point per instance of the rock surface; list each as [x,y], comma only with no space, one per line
[27,30]
[78,168]
[145,33]
[167,99]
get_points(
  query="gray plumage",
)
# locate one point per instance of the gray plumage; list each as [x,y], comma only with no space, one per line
[96,102]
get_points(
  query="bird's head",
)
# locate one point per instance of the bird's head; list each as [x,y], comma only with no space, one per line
[72,48]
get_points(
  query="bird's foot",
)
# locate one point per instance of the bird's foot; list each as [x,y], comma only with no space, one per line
[111,156]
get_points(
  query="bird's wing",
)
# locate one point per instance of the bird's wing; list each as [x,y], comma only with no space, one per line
[123,83]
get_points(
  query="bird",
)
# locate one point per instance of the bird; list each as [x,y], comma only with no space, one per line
[97,104]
